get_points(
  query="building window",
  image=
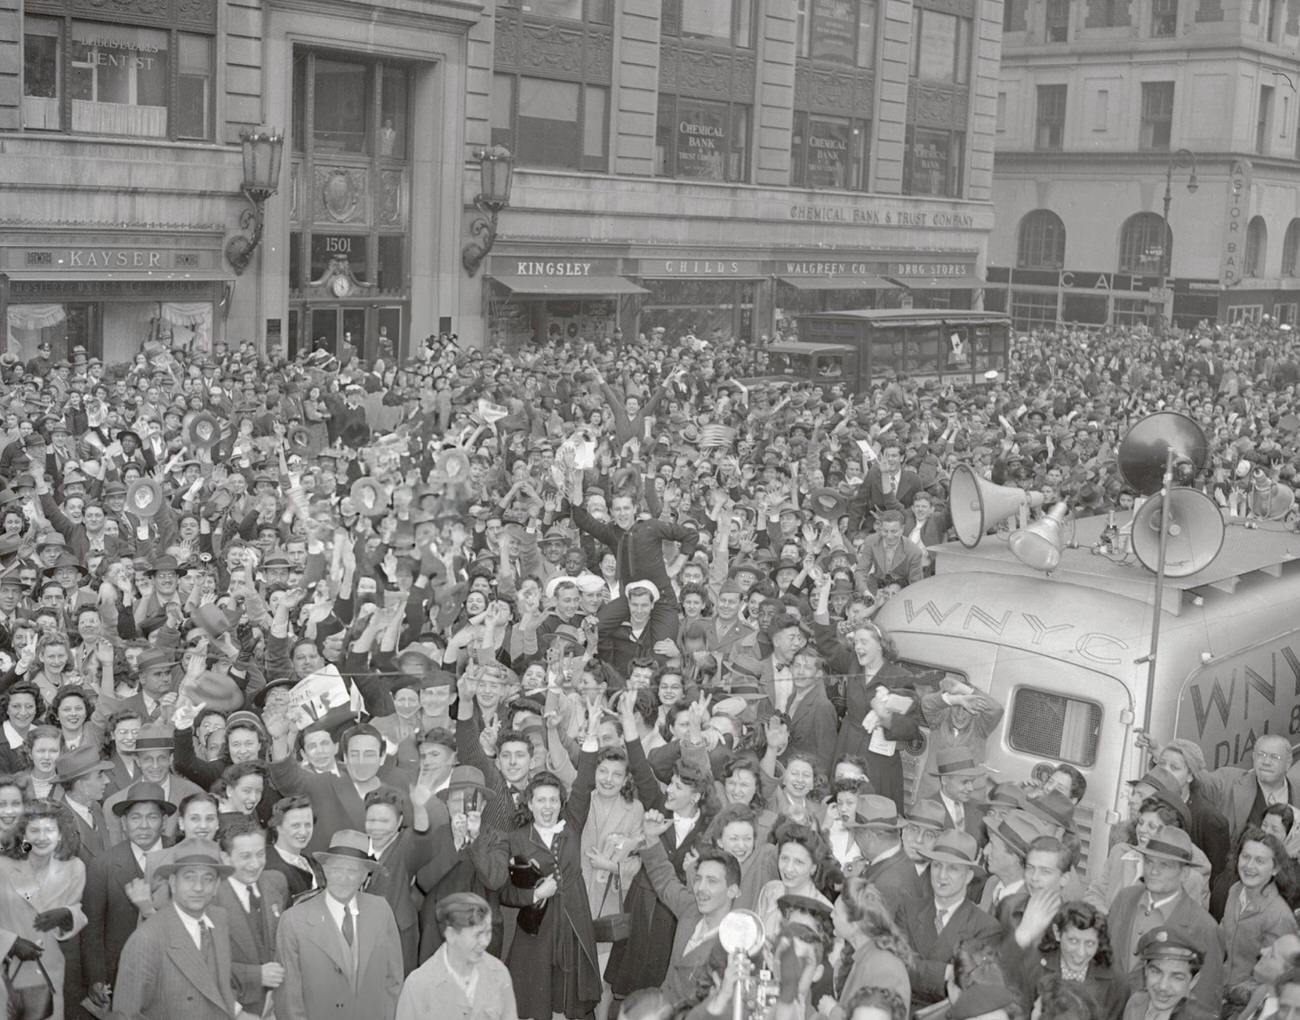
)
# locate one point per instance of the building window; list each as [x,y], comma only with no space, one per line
[563,125]
[1042,241]
[1256,248]
[563,10]
[96,78]
[932,162]
[1274,21]
[838,31]
[1100,109]
[940,46]
[1157,114]
[1291,249]
[702,140]
[1050,133]
[1057,18]
[1002,112]
[729,22]
[1164,19]
[1264,115]
[829,152]
[1032,310]
[1141,249]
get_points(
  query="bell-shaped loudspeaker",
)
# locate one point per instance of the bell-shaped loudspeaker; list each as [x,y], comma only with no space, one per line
[1142,453]
[1269,499]
[977,505]
[1039,545]
[1195,532]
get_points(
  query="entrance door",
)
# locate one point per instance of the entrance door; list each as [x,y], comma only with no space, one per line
[334,324]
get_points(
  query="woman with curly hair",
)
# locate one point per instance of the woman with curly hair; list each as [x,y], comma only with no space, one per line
[239,790]
[41,883]
[742,782]
[21,707]
[877,953]
[1256,913]
[1075,949]
[735,830]
[800,852]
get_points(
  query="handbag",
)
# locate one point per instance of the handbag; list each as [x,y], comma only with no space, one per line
[31,1003]
[612,927]
[527,874]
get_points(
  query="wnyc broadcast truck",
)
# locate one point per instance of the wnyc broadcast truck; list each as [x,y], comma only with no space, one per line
[1066,651]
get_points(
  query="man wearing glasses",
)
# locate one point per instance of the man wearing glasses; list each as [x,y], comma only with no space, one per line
[1243,795]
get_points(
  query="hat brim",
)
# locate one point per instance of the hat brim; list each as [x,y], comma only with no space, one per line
[167,869]
[973,770]
[485,791]
[879,824]
[321,856]
[165,806]
[945,858]
[1160,855]
[99,766]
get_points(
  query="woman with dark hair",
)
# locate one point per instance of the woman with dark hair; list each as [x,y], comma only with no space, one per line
[403,846]
[800,852]
[41,883]
[554,966]
[880,708]
[239,790]
[1075,949]
[293,822]
[118,748]
[70,711]
[1256,912]
[43,746]
[22,705]
[742,782]
[1058,1000]
[735,829]
[873,1001]
[877,952]
[13,799]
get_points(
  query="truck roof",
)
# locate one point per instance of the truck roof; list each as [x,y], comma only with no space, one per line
[1268,548]
[909,315]
[799,347]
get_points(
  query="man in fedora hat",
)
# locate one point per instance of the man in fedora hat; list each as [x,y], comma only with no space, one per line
[944,917]
[1159,900]
[876,829]
[959,777]
[958,716]
[116,891]
[83,775]
[177,964]
[154,756]
[340,949]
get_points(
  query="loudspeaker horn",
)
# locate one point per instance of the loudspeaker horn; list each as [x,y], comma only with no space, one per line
[1195,532]
[1269,499]
[1143,452]
[977,505]
[1039,545]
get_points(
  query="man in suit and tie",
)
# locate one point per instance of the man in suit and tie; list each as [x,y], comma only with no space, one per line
[888,556]
[462,977]
[944,918]
[158,681]
[153,757]
[888,486]
[253,899]
[876,829]
[699,910]
[1160,900]
[1242,795]
[83,775]
[177,964]
[341,951]
[116,889]
[958,774]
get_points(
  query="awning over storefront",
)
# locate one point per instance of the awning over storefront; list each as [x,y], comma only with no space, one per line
[567,286]
[839,282]
[940,283]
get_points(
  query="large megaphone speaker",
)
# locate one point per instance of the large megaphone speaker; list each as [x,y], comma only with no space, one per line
[1145,448]
[1039,545]
[1195,532]
[1269,499]
[977,505]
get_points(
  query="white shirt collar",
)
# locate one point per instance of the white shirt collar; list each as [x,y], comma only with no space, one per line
[242,890]
[1008,890]
[12,737]
[683,826]
[336,910]
[194,925]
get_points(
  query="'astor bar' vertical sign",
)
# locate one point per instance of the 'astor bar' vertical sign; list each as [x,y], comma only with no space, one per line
[1234,229]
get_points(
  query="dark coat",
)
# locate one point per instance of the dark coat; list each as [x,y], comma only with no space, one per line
[249,949]
[164,976]
[1108,988]
[474,868]
[934,949]
[896,880]
[884,771]
[814,728]
[556,969]
[1189,918]
[298,881]
[641,960]
[871,497]
[640,550]
[111,917]
[335,798]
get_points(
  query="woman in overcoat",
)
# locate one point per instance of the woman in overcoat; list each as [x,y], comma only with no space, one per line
[555,970]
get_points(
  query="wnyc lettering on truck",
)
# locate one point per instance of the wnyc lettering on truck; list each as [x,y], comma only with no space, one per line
[1228,703]
[1019,628]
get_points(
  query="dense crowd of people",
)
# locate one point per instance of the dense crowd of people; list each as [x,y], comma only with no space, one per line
[500,684]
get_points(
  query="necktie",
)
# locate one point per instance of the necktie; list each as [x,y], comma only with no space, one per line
[257,919]
[349,934]
[940,918]
[209,951]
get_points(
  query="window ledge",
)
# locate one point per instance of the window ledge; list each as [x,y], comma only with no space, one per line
[157,143]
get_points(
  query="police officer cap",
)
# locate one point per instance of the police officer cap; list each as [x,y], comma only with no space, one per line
[1164,943]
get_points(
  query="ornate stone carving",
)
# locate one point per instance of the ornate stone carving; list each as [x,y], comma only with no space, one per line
[581,52]
[598,56]
[392,198]
[833,90]
[340,195]
[668,67]
[961,8]
[714,74]
[197,12]
[937,106]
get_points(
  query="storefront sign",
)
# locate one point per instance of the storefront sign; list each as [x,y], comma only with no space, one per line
[108,258]
[889,216]
[831,268]
[31,260]
[702,140]
[709,267]
[936,270]
[1234,236]
[551,266]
